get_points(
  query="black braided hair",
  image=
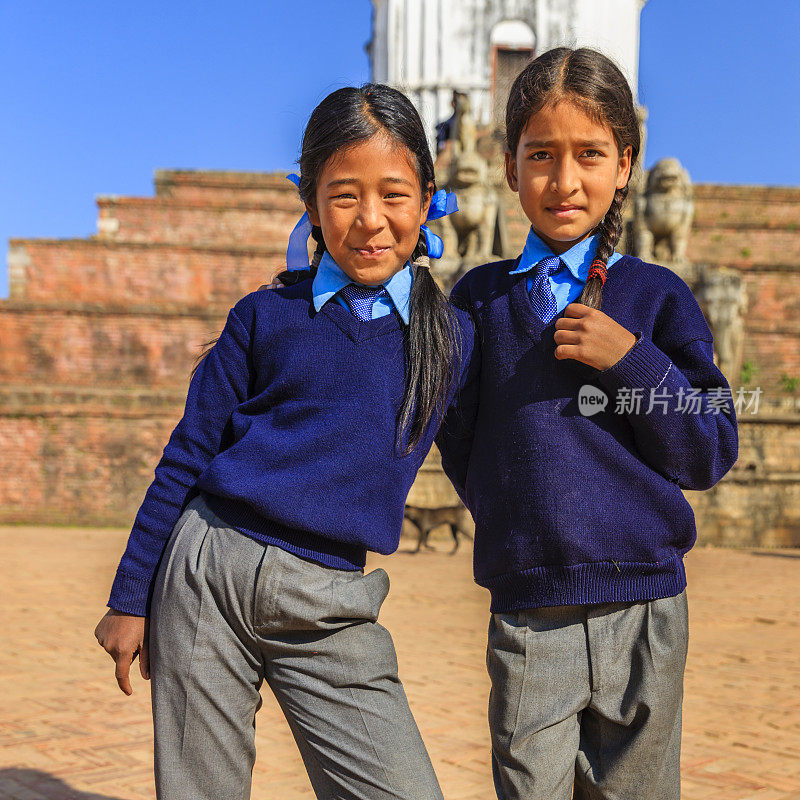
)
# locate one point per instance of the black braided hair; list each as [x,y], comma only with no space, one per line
[432,348]
[610,230]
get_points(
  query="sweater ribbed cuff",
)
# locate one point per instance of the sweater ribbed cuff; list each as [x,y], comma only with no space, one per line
[129,594]
[644,366]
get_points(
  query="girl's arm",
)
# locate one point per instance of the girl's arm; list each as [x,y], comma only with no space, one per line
[218,386]
[675,398]
[680,407]
[454,438]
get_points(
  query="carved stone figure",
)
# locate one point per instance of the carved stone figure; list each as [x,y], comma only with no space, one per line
[723,297]
[470,232]
[664,214]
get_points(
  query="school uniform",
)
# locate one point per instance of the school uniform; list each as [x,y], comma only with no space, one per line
[581,524]
[284,470]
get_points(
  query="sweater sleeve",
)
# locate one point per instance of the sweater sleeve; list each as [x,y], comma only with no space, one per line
[218,386]
[454,438]
[680,407]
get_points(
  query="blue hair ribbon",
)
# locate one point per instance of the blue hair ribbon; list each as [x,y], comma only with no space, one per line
[297,250]
[442,204]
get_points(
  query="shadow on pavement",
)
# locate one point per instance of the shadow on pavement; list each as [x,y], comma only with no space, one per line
[777,555]
[21,784]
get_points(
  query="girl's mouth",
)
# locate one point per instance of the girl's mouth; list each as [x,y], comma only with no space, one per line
[564,212]
[371,252]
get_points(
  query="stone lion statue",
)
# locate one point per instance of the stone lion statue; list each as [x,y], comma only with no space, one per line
[470,231]
[664,214]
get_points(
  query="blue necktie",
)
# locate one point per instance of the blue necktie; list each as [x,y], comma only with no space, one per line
[360,299]
[544,303]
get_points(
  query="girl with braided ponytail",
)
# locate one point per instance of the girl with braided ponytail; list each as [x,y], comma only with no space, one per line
[305,426]
[599,401]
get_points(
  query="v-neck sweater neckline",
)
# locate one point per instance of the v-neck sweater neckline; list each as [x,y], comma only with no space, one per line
[354,328]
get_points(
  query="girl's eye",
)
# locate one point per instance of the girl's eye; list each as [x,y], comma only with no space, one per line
[593,153]
[344,196]
[395,194]
[536,156]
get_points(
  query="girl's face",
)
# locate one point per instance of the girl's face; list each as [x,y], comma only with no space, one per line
[369,205]
[566,170]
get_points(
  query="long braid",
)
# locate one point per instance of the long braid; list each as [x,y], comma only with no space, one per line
[433,349]
[610,230]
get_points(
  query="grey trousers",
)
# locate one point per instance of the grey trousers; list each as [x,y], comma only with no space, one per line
[588,699]
[228,613]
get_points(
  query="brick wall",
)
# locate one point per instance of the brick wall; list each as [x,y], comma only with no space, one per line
[74,347]
[100,334]
[81,459]
[155,219]
[119,274]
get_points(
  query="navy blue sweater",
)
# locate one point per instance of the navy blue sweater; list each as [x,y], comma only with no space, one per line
[574,509]
[290,434]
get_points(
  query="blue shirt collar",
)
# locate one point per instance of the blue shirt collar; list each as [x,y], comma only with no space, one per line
[578,258]
[330,278]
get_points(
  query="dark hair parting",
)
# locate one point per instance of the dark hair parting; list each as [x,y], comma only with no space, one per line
[594,83]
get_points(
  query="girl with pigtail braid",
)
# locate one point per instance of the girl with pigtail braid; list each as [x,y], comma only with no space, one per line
[574,460]
[306,423]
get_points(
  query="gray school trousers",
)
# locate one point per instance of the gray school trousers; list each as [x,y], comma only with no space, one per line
[227,613]
[588,698]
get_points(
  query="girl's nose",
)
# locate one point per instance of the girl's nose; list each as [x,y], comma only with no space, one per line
[369,215]
[565,177]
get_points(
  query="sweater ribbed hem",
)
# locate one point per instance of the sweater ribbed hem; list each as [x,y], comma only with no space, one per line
[583,584]
[301,543]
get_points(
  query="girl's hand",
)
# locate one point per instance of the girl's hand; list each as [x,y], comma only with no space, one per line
[588,335]
[276,284]
[123,636]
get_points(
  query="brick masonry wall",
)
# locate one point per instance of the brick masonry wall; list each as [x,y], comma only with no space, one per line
[225,187]
[81,348]
[81,460]
[100,334]
[153,219]
[120,274]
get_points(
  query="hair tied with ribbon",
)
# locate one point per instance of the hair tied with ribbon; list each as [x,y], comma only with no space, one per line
[297,250]
[598,270]
[442,204]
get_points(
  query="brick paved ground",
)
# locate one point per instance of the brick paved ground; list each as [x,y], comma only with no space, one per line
[68,733]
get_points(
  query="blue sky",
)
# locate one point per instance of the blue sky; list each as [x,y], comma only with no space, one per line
[95,96]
